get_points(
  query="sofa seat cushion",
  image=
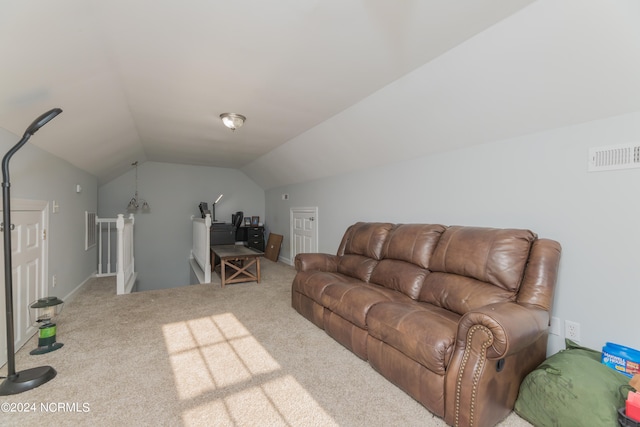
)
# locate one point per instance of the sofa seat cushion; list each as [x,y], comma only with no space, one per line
[461,294]
[352,301]
[313,283]
[422,332]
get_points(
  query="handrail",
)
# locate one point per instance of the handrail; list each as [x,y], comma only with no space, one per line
[106,226]
[200,258]
[126,273]
[124,268]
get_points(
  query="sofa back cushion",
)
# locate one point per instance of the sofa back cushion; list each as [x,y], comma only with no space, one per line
[356,266]
[472,267]
[413,243]
[405,257]
[361,248]
[365,238]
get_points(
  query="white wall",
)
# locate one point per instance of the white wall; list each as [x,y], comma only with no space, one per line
[163,237]
[552,64]
[37,175]
[538,182]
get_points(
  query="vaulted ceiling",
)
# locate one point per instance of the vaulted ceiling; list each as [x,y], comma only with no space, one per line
[146,80]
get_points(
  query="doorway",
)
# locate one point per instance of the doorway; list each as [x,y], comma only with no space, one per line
[29,262]
[303,231]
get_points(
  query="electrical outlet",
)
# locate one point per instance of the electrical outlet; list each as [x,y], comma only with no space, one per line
[572,330]
[54,281]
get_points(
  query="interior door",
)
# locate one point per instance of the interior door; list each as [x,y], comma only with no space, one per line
[304,231]
[28,254]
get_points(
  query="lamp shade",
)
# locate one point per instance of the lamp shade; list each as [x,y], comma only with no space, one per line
[45,309]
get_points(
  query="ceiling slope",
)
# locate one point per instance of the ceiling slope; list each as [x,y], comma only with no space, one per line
[553,64]
[147,79]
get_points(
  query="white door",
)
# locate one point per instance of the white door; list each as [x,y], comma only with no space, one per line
[304,231]
[29,271]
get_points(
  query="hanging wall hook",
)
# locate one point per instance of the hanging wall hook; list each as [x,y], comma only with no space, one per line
[13,227]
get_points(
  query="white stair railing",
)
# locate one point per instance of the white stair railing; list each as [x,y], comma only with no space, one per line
[126,272]
[200,256]
[106,233]
[120,230]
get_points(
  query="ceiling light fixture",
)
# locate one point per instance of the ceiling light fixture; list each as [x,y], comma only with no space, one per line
[232,120]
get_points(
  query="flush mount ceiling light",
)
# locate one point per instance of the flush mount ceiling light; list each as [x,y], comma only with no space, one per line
[232,120]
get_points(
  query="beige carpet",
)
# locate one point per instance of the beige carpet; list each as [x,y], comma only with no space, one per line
[202,355]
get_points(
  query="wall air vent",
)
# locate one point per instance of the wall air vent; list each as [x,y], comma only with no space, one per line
[613,157]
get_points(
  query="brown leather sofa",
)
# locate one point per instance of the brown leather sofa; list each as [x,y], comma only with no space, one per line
[454,316]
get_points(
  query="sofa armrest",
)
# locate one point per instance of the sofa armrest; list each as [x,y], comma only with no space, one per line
[513,327]
[315,261]
[496,347]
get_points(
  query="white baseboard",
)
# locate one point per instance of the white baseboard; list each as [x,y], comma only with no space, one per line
[71,295]
[285,260]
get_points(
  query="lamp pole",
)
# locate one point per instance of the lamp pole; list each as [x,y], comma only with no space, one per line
[213,208]
[18,382]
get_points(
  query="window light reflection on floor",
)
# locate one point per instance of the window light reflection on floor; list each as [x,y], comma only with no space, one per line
[282,401]
[217,355]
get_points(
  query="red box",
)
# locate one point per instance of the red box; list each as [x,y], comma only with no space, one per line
[632,408]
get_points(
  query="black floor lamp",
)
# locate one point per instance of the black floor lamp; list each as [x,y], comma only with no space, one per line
[17,382]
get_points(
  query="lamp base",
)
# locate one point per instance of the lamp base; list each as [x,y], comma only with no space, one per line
[46,348]
[47,339]
[26,380]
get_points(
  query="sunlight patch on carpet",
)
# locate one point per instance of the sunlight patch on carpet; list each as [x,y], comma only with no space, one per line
[218,354]
[213,352]
[300,410]
[280,402]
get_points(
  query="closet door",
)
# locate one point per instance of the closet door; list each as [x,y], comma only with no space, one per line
[304,231]
[28,242]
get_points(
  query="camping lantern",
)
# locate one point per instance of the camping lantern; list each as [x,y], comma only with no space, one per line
[43,311]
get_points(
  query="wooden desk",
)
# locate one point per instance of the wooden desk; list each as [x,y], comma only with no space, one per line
[238,258]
